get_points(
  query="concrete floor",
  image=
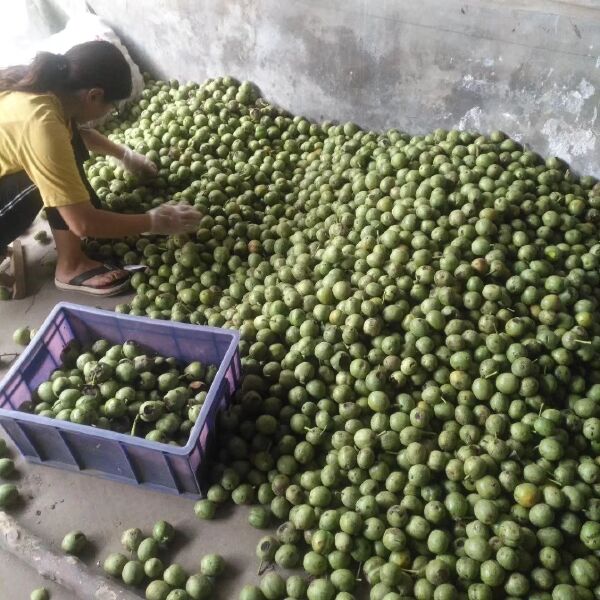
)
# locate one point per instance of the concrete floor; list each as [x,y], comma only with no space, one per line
[58,501]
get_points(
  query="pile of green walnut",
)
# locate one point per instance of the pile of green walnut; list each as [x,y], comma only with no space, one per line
[9,493]
[143,567]
[420,325]
[125,388]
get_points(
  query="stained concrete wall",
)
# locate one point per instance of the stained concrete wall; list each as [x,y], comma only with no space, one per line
[528,67]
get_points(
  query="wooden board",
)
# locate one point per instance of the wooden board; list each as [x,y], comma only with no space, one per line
[18,270]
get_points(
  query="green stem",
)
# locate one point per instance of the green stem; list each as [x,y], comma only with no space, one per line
[358,570]
[135,422]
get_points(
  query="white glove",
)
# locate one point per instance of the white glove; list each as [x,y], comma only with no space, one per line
[138,163]
[170,219]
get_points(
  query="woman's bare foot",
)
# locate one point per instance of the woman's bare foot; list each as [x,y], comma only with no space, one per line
[72,261]
[65,273]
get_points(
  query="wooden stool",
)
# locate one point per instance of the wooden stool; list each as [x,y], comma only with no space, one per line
[14,275]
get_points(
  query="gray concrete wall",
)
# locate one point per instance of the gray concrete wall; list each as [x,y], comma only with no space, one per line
[22,23]
[528,67]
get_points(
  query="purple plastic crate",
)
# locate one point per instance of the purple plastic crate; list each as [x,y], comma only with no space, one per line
[117,456]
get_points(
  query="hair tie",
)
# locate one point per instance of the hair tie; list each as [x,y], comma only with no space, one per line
[62,65]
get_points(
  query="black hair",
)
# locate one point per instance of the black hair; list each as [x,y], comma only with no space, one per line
[96,64]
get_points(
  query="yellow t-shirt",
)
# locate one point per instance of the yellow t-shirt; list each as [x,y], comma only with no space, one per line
[35,137]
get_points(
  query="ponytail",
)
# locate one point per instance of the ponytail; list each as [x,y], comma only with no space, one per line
[91,64]
[47,73]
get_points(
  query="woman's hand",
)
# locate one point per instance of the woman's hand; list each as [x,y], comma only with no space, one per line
[169,219]
[138,163]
